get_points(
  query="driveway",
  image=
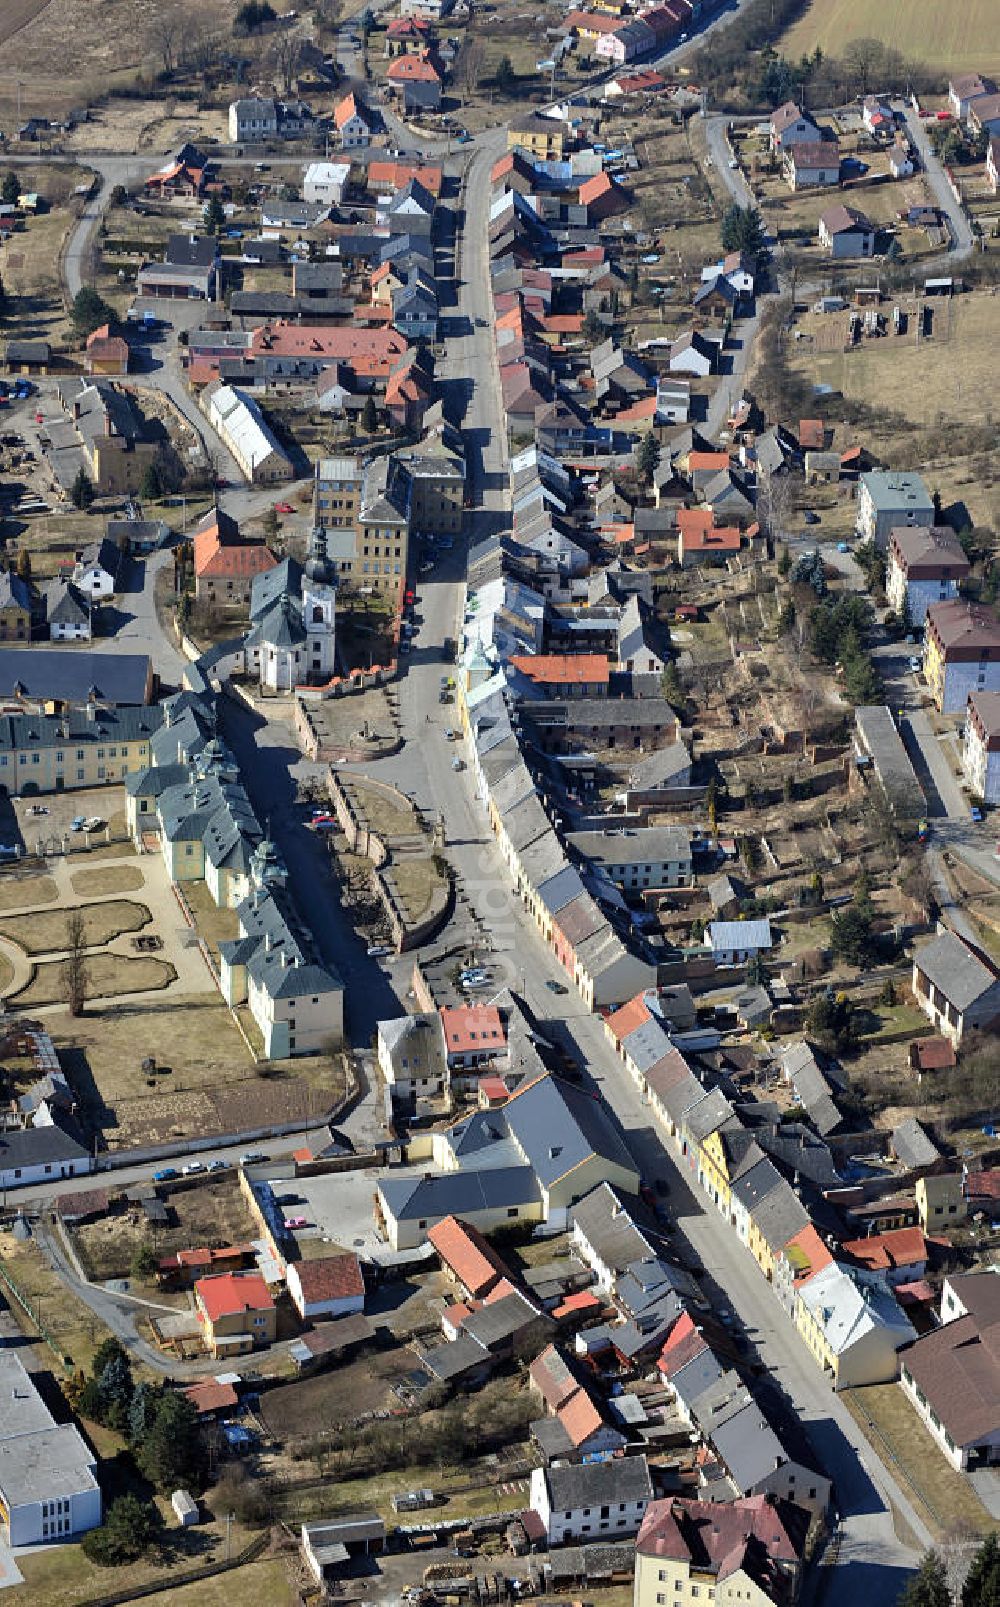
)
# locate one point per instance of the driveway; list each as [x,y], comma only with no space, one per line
[961,231]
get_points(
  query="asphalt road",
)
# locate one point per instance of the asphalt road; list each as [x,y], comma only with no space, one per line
[961,231]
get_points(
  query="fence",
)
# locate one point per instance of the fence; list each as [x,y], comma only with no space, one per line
[190,1576]
[28,1308]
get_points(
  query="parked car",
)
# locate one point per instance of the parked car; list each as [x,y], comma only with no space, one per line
[378,951]
[556,987]
[192,1167]
[915,665]
[977,814]
[283,507]
[165,1174]
[291,1222]
[8,851]
[810,517]
[218,1165]
[77,823]
[458,764]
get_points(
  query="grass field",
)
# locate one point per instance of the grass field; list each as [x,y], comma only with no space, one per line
[954,38]
[108,879]
[44,932]
[944,1498]
[18,892]
[108,975]
[74,1329]
[62,1576]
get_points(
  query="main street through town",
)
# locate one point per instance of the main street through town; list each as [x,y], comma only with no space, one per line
[880,1533]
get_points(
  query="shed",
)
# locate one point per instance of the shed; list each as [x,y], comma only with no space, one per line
[186,1508]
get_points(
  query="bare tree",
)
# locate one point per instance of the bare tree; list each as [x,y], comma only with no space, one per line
[774,502]
[75,975]
[286,53]
[165,34]
[470,64]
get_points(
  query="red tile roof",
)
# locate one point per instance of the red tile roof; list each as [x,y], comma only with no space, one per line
[881,1252]
[472,1027]
[232,1293]
[812,434]
[369,351]
[553,1377]
[580,1418]
[384,176]
[417,69]
[563,669]
[465,1252]
[330,1277]
[628,1016]
[753,1534]
[807,1254]
[932,1054]
[211,1397]
[216,556]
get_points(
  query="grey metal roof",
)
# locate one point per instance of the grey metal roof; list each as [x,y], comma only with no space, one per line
[558,1126]
[500,1320]
[66,676]
[779,1216]
[596,1484]
[911,1145]
[752,1187]
[605,1220]
[740,934]
[955,970]
[25,1147]
[459,1193]
[634,845]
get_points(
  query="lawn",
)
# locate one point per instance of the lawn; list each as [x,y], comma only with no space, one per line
[949,38]
[108,976]
[62,1576]
[925,380]
[24,892]
[258,1584]
[215,925]
[74,1329]
[44,932]
[108,879]
[944,1498]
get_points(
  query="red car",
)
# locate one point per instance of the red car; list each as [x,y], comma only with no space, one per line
[283,507]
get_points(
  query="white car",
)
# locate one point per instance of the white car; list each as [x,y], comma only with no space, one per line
[378,951]
[192,1167]
[915,666]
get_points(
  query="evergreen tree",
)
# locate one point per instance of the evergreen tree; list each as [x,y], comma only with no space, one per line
[505,77]
[24,564]
[114,1391]
[151,484]
[215,217]
[124,1535]
[170,1454]
[647,457]
[142,1412]
[82,492]
[743,230]
[10,189]
[929,1586]
[89,312]
[982,1583]
[369,416]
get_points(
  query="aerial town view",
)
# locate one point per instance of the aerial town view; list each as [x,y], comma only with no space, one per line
[499,803]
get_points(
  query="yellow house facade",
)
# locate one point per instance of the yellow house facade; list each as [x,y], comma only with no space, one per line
[940,1201]
[659,1582]
[542,138]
